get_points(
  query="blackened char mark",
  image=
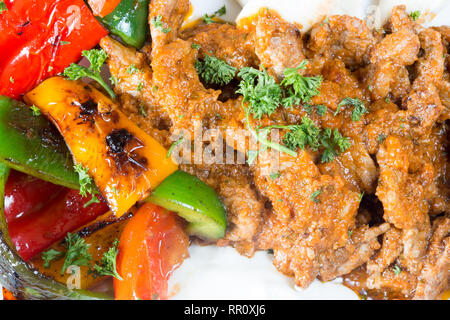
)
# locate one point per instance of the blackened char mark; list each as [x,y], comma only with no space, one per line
[88,108]
[117,140]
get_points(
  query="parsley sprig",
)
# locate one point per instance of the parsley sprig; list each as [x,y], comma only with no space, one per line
[96,58]
[214,70]
[3,6]
[264,95]
[334,143]
[157,23]
[260,90]
[415,15]
[302,135]
[300,88]
[77,253]
[87,185]
[358,107]
[210,18]
[108,265]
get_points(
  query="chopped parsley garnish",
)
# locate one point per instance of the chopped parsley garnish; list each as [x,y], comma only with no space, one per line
[299,136]
[275,176]
[358,107]
[63,43]
[321,109]
[195,46]
[260,90]
[334,143]
[314,196]
[87,185]
[76,254]
[360,196]
[397,270]
[96,58]
[35,110]
[210,18]
[143,113]
[264,95]
[381,137]
[3,6]
[251,156]
[172,147]
[140,86]
[214,70]
[415,15]
[157,23]
[108,266]
[303,88]
[50,255]
[132,69]
[11,79]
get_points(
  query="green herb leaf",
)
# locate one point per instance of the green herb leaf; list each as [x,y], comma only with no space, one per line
[51,255]
[77,252]
[358,107]
[302,135]
[214,70]
[3,6]
[210,18]
[87,185]
[172,147]
[108,265]
[334,143]
[304,88]
[397,270]
[321,109]
[157,23]
[275,175]
[415,15]
[314,196]
[252,155]
[132,69]
[35,110]
[96,59]
[260,90]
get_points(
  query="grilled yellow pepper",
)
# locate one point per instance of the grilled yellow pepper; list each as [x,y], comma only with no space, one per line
[124,161]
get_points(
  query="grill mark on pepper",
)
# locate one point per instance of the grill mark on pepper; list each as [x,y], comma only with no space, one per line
[88,108]
[117,140]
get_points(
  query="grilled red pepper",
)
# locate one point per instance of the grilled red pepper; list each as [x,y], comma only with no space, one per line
[40,38]
[26,195]
[33,232]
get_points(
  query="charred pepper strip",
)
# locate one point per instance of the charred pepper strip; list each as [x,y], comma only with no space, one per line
[31,144]
[19,278]
[194,201]
[124,161]
[129,21]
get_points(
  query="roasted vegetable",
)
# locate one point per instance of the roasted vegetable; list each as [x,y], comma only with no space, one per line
[33,233]
[125,162]
[31,144]
[100,234]
[152,245]
[194,201]
[129,21]
[39,38]
[20,278]
[102,7]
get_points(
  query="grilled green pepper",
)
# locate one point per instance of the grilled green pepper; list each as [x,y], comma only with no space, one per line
[20,278]
[194,201]
[31,144]
[129,21]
